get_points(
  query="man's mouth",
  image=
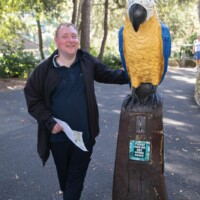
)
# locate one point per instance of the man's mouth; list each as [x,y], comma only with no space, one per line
[70,46]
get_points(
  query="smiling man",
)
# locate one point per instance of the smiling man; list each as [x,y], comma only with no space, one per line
[62,87]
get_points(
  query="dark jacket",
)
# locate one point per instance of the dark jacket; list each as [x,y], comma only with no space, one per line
[42,82]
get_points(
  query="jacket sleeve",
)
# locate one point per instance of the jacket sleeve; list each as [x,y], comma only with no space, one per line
[35,99]
[104,74]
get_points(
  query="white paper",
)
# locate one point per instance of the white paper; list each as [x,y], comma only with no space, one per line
[74,136]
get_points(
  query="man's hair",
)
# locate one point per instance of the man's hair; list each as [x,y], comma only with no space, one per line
[67,24]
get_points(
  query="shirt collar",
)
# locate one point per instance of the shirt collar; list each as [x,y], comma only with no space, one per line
[55,63]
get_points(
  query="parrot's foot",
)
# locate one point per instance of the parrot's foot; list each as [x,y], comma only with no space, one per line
[145,95]
[135,100]
[150,102]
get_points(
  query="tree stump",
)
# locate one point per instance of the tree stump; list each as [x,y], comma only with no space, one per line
[139,164]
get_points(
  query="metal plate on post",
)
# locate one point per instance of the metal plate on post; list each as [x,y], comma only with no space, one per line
[139,150]
[140,124]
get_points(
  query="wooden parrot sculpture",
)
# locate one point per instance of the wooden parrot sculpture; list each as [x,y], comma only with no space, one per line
[145,47]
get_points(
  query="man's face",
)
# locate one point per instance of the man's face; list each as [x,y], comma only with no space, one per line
[67,40]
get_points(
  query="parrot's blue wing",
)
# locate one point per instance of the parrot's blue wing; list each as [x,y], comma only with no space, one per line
[121,50]
[166,38]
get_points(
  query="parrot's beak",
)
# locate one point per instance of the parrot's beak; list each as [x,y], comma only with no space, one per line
[137,15]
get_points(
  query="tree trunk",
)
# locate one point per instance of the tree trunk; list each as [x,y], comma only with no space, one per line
[100,56]
[85,26]
[40,38]
[79,16]
[74,14]
[199,9]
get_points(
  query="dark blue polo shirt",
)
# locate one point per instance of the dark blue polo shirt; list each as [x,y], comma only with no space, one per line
[68,100]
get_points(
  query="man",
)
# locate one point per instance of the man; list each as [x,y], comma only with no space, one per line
[62,87]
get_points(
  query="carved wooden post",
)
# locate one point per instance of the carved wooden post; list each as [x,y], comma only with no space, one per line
[139,164]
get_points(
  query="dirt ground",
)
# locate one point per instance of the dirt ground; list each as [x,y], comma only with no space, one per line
[11,84]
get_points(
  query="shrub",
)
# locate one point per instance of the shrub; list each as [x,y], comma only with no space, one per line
[174,62]
[190,63]
[93,51]
[112,61]
[16,64]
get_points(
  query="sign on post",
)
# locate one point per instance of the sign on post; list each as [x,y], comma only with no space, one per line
[139,150]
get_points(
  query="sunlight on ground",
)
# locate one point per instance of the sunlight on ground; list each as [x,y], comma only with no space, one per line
[182,72]
[100,105]
[174,111]
[15,87]
[116,111]
[169,91]
[182,78]
[180,97]
[175,122]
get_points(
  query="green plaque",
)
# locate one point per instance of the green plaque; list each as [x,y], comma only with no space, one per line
[139,150]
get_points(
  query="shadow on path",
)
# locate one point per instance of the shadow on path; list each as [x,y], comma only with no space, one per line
[22,176]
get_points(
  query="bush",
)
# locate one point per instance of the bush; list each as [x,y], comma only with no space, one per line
[174,62]
[16,64]
[93,51]
[190,63]
[112,61]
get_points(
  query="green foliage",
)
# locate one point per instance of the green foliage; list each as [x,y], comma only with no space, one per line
[51,48]
[93,51]
[120,3]
[191,38]
[112,61]
[187,50]
[180,16]
[16,64]
[109,58]
[176,54]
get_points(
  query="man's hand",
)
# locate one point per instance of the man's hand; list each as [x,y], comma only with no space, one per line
[56,129]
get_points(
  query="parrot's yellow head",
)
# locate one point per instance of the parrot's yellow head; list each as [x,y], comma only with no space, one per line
[139,11]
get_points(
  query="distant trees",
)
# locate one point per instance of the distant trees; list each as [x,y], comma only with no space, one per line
[98,21]
[85,25]
[180,16]
[41,9]
[199,9]
[12,12]
[103,43]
